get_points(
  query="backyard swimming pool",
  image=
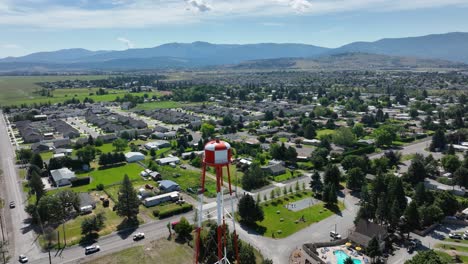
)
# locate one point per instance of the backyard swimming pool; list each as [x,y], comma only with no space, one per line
[341,256]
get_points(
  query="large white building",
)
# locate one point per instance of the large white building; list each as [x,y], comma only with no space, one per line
[62,176]
[134,156]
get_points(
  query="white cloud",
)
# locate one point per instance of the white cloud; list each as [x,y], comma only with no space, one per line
[9,46]
[149,13]
[127,42]
[198,5]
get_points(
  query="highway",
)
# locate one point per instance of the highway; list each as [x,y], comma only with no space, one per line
[19,234]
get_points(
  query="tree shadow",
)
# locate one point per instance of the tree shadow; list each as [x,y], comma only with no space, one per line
[334,208]
[253,228]
[127,227]
[88,239]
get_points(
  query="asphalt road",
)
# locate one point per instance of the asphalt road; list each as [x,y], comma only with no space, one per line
[21,238]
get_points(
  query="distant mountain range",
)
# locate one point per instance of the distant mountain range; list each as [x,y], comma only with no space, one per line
[349,61]
[442,48]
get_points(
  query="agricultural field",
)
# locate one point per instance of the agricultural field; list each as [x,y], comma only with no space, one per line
[21,88]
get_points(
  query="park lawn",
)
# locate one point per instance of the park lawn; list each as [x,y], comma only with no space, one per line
[14,89]
[272,224]
[324,132]
[47,155]
[188,179]
[159,251]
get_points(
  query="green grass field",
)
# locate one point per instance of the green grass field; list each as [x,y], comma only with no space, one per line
[187,178]
[18,88]
[47,155]
[324,132]
[272,222]
[156,105]
[159,251]
[449,259]
[461,248]
[107,177]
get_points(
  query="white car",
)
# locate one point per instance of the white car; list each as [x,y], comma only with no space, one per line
[92,249]
[465,236]
[335,235]
[455,236]
[23,259]
[138,236]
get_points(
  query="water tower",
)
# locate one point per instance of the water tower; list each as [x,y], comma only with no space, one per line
[218,156]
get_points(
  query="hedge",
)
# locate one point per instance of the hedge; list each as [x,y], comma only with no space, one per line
[80,181]
[170,212]
[360,151]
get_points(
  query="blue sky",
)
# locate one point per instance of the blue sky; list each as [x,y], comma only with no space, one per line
[28,26]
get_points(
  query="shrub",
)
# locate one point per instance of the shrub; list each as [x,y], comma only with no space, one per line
[178,210]
[100,187]
[156,212]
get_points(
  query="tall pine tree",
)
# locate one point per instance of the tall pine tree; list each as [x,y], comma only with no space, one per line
[128,203]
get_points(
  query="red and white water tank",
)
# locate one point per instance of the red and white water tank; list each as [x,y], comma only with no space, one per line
[217,153]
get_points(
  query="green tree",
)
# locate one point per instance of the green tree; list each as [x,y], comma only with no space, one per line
[426,256]
[207,130]
[93,224]
[254,177]
[35,182]
[384,136]
[451,163]
[36,160]
[373,248]
[430,214]
[412,216]
[461,176]
[416,171]
[86,154]
[309,131]
[183,229]
[249,211]
[358,130]
[344,136]
[438,141]
[127,204]
[332,175]
[355,178]
[120,144]
[316,182]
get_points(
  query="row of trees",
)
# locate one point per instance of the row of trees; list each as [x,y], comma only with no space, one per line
[111,158]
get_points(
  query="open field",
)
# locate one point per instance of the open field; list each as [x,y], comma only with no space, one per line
[287,226]
[449,259]
[188,179]
[159,251]
[19,88]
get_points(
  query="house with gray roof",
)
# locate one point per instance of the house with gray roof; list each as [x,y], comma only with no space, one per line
[62,176]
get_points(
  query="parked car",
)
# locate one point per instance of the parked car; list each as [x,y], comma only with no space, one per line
[455,236]
[335,235]
[12,204]
[147,186]
[138,236]
[23,259]
[465,236]
[92,249]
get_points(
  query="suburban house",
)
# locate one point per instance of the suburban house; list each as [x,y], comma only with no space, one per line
[168,186]
[134,156]
[87,203]
[159,144]
[365,231]
[62,176]
[274,169]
